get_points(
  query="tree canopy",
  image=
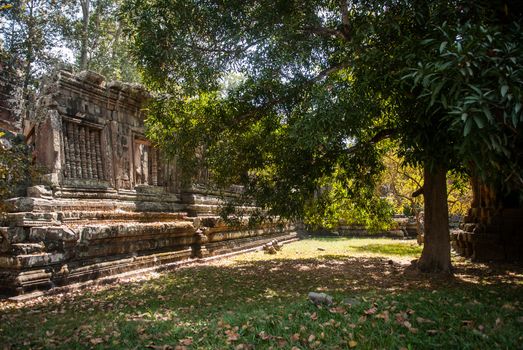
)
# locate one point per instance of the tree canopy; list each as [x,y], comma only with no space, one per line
[280,94]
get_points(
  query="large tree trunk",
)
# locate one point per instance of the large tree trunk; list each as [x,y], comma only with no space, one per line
[435,256]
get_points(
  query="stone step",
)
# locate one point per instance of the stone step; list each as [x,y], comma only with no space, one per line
[19,262]
[132,231]
[33,219]
[27,248]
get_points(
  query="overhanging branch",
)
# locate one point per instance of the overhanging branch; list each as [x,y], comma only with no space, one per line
[379,136]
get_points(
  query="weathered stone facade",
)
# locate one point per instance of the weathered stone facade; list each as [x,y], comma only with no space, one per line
[109,202]
[493,228]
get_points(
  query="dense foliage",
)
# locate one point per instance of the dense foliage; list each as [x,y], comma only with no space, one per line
[317,84]
[16,171]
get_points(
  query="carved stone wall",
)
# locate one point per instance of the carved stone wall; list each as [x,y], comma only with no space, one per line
[110,201]
[493,228]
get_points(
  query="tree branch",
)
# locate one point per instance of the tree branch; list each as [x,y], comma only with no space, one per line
[326,72]
[344,9]
[418,192]
[379,136]
[325,32]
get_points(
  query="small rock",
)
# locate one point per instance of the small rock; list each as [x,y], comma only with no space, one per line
[270,250]
[320,298]
[391,262]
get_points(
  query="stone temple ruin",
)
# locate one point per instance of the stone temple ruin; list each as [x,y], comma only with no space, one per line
[110,202]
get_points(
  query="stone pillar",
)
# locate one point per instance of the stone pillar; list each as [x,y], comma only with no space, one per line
[48,140]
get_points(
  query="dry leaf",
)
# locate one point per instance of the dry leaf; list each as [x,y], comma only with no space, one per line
[314,316]
[311,338]
[352,344]
[264,336]
[508,307]
[232,335]
[295,337]
[384,315]
[96,341]
[371,311]
[338,310]
[187,341]
[423,320]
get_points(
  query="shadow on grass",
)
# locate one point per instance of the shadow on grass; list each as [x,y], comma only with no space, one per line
[201,306]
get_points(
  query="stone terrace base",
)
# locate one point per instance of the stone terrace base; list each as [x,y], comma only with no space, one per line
[50,241]
[500,239]
[47,249]
[131,267]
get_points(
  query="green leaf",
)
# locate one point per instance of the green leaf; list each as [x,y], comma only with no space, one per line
[468,127]
[476,89]
[479,122]
[487,113]
[442,46]
[426,41]
[504,90]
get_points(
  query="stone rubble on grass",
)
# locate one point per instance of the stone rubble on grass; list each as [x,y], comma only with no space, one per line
[272,247]
[320,298]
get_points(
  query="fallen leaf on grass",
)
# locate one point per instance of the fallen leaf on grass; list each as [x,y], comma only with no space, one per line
[352,344]
[264,336]
[371,311]
[295,337]
[314,316]
[281,342]
[432,331]
[423,320]
[187,341]
[232,335]
[96,341]
[384,315]
[338,310]
[311,338]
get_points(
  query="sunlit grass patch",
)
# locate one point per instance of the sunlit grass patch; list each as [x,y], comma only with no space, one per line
[340,247]
[400,249]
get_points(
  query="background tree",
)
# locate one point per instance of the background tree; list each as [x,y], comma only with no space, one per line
[28,32]
[97,39]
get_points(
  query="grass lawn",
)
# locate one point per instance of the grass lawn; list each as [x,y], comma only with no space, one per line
[259,301]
